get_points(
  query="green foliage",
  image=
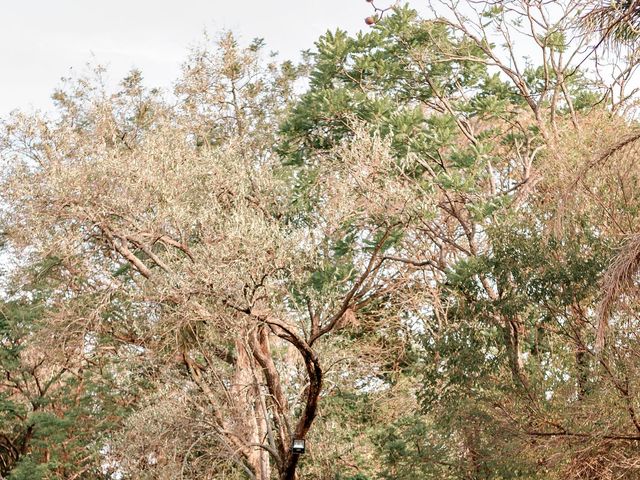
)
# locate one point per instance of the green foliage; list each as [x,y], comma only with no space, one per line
[410,450]
[379,78]
[54,417]
[28,469]
[454,294]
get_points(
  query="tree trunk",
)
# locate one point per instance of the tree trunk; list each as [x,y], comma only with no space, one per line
[512,343]
[251,424]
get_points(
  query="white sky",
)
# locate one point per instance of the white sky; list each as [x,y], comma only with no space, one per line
[44,40]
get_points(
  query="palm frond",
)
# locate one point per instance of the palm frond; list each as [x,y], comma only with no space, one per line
[616,22]
[617,280]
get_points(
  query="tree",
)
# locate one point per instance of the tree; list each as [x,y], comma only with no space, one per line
[60,401]
[509,293]
[192,255]
[401,266]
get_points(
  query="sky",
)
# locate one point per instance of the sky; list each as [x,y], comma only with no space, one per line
[44,40]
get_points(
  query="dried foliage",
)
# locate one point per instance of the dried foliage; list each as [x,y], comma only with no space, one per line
[614,22]
[413,265]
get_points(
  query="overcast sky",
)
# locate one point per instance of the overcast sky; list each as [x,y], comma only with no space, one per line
[43,40]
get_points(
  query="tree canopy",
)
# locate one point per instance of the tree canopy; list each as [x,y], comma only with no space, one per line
[417,250]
